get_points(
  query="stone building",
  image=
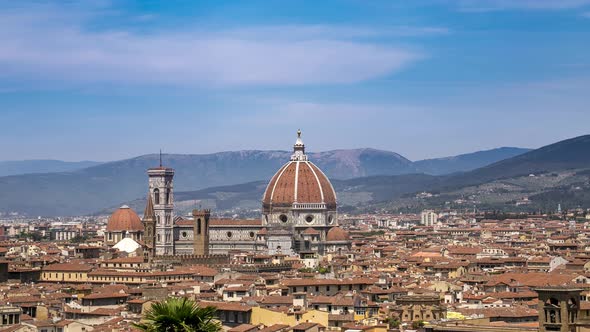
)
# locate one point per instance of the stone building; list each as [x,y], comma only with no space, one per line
[124,222]
[298,216]
[161,192]
[428,218]
[419,308]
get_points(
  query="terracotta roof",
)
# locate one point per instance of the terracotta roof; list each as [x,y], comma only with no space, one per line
[124,219]
[533,279]
[299,182]
[337,234]
[243,328]
[184,222]
[67,267]
[304,326]
[136,259]
[310,231]
[318,282]
[226,306]
[95,296]
[274,328]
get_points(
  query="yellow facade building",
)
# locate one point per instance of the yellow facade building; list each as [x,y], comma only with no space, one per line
[66,272]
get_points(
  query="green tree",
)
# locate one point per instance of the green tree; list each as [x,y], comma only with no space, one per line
[393,322]
[79,239]
[34,236]
[417,324]
[179,315]
[323,270]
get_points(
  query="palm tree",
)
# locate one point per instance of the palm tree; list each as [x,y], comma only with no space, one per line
[179,315]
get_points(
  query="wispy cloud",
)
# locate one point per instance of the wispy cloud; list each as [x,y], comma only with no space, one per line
[586,14]
[495,5]
[306,32]
[48,44]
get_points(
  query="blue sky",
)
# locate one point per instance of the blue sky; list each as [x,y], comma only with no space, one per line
[105,80]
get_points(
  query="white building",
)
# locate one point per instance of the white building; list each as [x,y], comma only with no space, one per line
[428,218]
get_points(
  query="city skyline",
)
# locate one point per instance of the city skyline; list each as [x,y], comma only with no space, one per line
[106,80]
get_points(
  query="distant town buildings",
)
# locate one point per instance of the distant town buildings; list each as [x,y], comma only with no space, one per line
[428,218]
[299,266]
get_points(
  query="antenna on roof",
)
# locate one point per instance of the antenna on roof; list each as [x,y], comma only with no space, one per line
[160,157]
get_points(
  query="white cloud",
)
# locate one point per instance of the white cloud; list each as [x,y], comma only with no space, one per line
[494,5]
[303,32]
[46,44]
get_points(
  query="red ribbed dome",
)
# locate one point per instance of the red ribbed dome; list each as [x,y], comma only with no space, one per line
[124,219]
[299,182]
[337,234]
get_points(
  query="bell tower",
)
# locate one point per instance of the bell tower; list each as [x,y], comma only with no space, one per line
[161,190]
[201,232]
[558,308]
[149,225]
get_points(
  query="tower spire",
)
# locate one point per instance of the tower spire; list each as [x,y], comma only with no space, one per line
[299,149]
[149,208]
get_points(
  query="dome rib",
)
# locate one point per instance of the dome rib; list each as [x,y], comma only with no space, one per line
[296,181]
[294,184]
[124,219]
[273,182]
[318,180]
[329,193]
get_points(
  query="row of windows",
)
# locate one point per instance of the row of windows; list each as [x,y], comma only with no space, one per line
[167,196]
[57,275]
[111,278]
[168,219]
[230,234]
[118,278]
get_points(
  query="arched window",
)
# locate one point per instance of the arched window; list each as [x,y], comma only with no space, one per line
[156,196]
[168,196]
[199,226]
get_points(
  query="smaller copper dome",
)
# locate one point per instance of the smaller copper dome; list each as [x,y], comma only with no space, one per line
[337,234]
[124,219]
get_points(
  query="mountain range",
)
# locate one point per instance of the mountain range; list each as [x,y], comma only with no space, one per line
[466,162]
[364,179]
[91,189]
[42,166]
[557,173]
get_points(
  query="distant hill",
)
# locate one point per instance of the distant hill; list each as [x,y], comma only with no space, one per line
[42,166]
[90,189]
[248,195]
[94,188]
[561,176]
[466,162]
[568,154]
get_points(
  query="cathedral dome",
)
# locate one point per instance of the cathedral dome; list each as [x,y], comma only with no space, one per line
[337,234]
[124,219]
[299,182]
